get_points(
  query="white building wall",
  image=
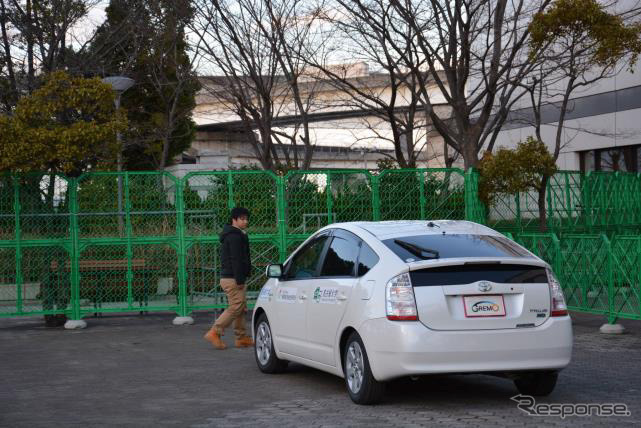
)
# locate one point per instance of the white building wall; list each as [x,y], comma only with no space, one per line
[597,131]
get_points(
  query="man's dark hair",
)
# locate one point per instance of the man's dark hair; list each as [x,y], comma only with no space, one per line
[239,212]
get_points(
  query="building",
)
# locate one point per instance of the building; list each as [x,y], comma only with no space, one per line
[602,131]
[343,135]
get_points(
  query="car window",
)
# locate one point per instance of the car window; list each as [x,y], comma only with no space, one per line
[444,246]
[305,262]
[340,259]
[366,259]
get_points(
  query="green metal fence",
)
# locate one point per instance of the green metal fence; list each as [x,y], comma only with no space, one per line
[146,241]
[595,202]
[598,274]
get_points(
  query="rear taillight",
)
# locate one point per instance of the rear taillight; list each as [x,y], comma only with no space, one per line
[557,304]
[399,299]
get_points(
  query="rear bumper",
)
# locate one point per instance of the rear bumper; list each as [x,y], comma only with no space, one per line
[398,349]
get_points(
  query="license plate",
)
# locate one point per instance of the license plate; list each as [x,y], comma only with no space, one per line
[484,306]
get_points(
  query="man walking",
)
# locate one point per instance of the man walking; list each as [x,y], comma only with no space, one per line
[235,268]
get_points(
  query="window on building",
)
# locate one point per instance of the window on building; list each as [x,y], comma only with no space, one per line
[624,159]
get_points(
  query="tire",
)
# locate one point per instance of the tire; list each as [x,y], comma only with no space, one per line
[361,385]
[537,384]
[266,358]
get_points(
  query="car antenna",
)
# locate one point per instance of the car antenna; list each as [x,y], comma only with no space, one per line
[432,224]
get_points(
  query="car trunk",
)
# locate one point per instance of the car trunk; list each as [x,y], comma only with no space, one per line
[481,295]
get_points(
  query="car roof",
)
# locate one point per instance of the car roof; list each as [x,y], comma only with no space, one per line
[396,228]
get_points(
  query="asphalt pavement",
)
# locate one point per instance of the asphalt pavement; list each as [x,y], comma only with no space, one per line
[143,371]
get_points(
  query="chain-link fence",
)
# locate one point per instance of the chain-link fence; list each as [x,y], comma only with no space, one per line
[146,241]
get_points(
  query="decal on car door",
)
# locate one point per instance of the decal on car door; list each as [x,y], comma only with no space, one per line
[287,294]
[325,295]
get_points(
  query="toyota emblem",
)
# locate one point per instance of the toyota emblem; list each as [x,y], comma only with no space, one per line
[485,286]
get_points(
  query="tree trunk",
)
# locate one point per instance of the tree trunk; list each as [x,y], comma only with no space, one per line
[470,155]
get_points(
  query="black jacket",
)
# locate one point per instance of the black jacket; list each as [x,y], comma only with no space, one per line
[234,254]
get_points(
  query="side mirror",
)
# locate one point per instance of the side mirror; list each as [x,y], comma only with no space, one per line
[274,271]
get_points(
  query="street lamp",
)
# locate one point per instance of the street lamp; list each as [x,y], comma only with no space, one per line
[119,84]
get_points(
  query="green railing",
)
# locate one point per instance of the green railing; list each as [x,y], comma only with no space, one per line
[145,241]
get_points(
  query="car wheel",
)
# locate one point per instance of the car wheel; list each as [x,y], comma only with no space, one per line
[537,384]
[361,385]
[266,357]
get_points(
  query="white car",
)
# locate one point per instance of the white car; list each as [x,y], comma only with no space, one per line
[375,301]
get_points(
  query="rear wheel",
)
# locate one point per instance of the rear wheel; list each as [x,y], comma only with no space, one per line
[361,385]
[266,358]
[537,384]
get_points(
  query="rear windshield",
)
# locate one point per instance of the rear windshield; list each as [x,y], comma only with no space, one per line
[467,274]
[425,247]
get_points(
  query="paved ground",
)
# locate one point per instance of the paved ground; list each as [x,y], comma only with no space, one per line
[142,371]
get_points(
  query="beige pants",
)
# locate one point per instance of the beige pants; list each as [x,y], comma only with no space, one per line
[235,312]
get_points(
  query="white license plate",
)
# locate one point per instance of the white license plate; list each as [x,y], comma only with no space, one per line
[484,306]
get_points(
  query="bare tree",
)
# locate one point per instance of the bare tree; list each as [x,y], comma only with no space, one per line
[370,32]
[475,51]
[255,45]
[290,32]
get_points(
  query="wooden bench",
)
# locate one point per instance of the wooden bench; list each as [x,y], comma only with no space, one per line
[98,285]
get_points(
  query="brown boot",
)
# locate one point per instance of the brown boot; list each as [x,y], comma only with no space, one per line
[213,336]
[244,342]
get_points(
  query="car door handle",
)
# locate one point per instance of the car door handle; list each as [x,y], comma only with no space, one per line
[302,297]
[341,297]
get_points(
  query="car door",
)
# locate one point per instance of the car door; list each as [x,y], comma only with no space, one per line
[330,295]
[291,294]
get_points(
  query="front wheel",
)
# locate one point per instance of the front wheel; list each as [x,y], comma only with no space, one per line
[266,357]
[537,384]
[361,385]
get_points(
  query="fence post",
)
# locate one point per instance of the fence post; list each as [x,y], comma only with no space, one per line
[376,198]
[612,317]
[587,206]
[467,186]
[637,202]
[76,318]
[18,238]
[183,317]
[517,201]
[282,225]
[128,233]
[473,206]
[617,202]
[549,220]
[638,258]
[230,191]
[423,202]
[568,199]
[558,261]
[330,202]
